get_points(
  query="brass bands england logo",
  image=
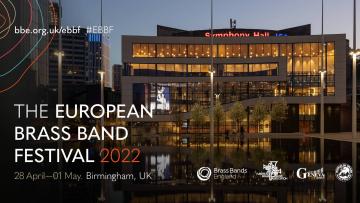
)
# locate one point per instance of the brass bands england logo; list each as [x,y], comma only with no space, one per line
[204,173]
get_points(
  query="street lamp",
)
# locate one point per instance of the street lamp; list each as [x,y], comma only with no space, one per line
[212,71]
[322,72]
[354,53]
[102,73]
[212,198]
[60,54]
[322,88]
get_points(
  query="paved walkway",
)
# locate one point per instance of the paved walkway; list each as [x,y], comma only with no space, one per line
[342,136]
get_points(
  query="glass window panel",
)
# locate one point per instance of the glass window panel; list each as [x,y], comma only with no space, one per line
[246,68]
[306,65]
[330,90]
[135,66]
[169,67]
[252,50]
[273,69]
[160,50]
[205,68]
[151,66]
[307,109]
[191,50]
[214,51]
[221,50]
[267,49]
[195,68]
[161,67]
[289,65]
[297,65]
[151,69]
[273,66]
[330,65]
[314,49]
[198,50]
[180,68]
[136,50]
[289,50]
[230,68]
[244,50]
[175,50]
[239,68]
[236,50]
[182,51]
[143,66]
[275,50]
[250,68]
[321,48]
[330,48]
[228,50]
[314,63]
[311,91]
[282,49]
[152,50]
[167,50]
[256,67]
[144,50]
[205,51]
[298,49]
[264,67]
[259,50]
[306,49]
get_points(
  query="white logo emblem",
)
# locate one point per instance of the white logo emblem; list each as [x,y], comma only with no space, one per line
[343,172]
[204,173]
[272,171]
[302,173]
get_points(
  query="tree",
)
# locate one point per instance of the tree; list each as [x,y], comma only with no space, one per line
[219,116]
[278,112]
[259,113]
[178,119]
[198,116]
[237,115]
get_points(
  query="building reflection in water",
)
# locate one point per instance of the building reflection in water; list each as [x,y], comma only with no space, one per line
[176,180]
[159,165]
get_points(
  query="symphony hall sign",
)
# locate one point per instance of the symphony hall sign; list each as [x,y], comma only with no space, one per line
[243,34]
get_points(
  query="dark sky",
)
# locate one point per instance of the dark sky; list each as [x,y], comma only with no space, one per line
[140,17]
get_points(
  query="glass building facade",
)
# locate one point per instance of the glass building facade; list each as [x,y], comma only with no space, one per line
[177,68]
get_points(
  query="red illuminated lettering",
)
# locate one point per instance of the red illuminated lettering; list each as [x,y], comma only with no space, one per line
[238,34]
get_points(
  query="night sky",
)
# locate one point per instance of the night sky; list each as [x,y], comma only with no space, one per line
[140,17]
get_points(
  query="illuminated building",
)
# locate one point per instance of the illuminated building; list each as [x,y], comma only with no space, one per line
[74,64]
[117,72]
[170,73]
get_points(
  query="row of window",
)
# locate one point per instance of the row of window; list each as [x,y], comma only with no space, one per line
[182,96]
[231,50]
[311,65]
[265,69]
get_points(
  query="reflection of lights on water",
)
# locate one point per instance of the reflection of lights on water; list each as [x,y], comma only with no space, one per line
[162,164]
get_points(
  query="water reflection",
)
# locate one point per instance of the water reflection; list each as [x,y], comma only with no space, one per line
[159,165]
[175,170]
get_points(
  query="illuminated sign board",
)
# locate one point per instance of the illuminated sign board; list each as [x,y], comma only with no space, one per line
[244,34]
[161,99]
[94,37]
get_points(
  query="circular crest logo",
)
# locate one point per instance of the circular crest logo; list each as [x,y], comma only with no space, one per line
[343,172]
[204,173]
